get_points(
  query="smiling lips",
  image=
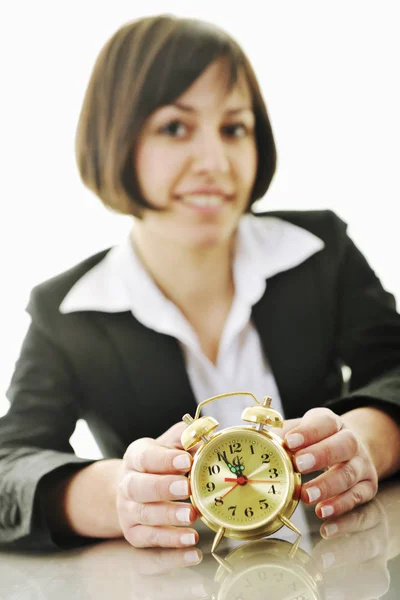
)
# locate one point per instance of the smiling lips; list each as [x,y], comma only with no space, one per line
[207,191]
[205,197]
[203,201]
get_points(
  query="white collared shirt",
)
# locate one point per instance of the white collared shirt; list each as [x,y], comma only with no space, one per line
[264,247]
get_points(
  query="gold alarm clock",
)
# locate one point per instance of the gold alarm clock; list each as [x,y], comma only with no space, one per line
[243,480]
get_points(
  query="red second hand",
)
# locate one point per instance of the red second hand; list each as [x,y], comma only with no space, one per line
[255,480]
[231,490]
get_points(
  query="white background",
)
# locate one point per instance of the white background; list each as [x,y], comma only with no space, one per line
[329,72]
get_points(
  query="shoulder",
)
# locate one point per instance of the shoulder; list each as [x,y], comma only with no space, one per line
[49,294]
[325,224]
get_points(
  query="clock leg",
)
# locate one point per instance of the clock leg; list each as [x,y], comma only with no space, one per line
[217,538]
[286,522]
[293,549]
[224,563]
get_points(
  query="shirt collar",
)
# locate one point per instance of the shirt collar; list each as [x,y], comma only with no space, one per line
[265,246]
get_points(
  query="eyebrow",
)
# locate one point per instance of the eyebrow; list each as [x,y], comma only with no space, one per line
[191,109]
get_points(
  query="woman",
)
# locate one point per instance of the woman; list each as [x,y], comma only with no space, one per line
[203,298]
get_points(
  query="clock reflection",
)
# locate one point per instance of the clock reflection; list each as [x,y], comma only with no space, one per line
[271,568]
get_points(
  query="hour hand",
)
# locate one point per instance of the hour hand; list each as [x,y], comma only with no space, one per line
[238,466]
[230,466]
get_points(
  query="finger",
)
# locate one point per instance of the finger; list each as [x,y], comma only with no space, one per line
[157,513]
[288,424]
[147,456]
[144,536]
[138,561]
[187,585]
[146,487]
[179,586]
[154,561]
[360,519]
[172,437]
[316,425]
[336,480]
[341,447]
[359,494]
[355,548]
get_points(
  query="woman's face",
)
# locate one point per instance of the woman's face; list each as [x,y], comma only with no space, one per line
[208,141]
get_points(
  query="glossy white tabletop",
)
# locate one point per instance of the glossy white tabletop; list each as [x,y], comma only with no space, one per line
[361,562]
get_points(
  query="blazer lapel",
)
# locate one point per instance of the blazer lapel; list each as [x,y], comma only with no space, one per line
[287,318]
[154,365]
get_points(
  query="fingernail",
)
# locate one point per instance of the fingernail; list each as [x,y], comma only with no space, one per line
[294,440]
[192,556]
[328,559]
[305,462]
[327,511]
[188,539]
[331,529]
[183,515]
[313,493]
[179,488]
[181,462]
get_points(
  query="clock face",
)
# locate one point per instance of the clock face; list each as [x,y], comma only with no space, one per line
[241,479]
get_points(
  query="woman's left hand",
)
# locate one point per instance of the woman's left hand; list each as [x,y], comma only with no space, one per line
[320,441]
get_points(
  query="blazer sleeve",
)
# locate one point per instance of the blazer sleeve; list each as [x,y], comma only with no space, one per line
[34,438]
[368,334]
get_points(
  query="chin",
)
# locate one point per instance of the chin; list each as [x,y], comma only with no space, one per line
[206,243]
[207,239]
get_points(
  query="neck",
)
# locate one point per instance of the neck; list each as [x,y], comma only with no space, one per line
[192,278]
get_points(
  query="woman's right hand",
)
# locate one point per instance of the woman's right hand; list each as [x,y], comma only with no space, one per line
[151,490]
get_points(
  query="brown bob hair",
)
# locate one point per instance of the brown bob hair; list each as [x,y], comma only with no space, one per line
[146,64]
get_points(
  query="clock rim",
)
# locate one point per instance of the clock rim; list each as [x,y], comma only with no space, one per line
[273,523]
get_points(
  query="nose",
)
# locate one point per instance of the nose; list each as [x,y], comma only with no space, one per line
[210,153]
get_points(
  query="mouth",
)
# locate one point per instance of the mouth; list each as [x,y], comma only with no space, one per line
[204,202]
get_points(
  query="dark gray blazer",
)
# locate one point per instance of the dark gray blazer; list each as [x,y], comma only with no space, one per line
[128,381]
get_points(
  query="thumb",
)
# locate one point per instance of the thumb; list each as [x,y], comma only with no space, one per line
[288,424]
[172,437]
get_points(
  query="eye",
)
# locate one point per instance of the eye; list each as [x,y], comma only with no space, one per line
[171,128]
[235,126]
